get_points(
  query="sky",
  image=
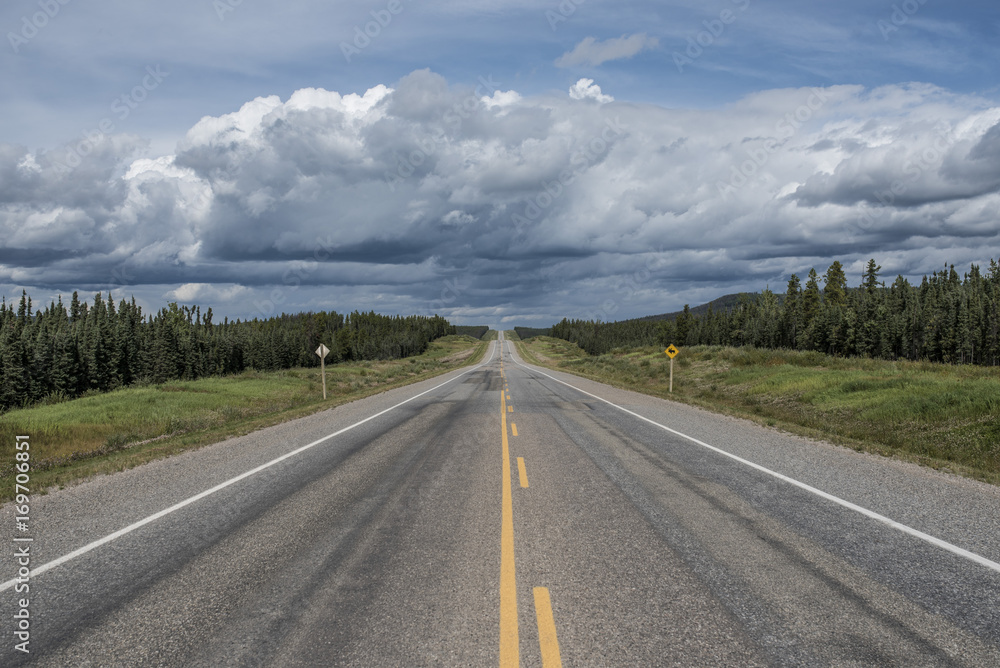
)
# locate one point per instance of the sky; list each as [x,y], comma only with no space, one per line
[496,163]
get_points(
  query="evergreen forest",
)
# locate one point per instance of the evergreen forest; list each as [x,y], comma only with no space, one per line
[947,318]
[62,352]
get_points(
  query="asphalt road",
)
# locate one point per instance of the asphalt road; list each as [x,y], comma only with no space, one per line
[498,516]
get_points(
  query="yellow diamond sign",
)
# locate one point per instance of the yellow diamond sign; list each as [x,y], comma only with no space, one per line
[671,351]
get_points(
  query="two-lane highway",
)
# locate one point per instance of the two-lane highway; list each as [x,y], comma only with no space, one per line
[508,515]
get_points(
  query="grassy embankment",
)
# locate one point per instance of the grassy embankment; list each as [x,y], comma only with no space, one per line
[118,430]
[942,416]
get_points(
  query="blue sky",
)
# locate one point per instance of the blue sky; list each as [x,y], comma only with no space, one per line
[191,191]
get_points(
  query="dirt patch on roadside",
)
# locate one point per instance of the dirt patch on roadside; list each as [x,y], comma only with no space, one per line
[459,356]
[544,359]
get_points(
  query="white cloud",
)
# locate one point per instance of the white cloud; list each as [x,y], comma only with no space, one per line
[586,89]
[236,126]
[593,52]
[501,98]
[28,164]
[530,205]
[204,292]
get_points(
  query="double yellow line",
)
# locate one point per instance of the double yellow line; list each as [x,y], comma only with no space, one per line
[509,646]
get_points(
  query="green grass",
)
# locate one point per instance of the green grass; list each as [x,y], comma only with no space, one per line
[938,415]
[118,430]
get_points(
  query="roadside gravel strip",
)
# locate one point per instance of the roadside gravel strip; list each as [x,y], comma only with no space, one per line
[97,498]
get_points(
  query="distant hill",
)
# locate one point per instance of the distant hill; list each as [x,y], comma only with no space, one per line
[720,304]
[723,303]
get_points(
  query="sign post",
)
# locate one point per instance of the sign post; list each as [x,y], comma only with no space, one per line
[672,353]
[323,351]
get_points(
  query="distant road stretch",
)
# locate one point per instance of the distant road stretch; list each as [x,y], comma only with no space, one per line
[509,515]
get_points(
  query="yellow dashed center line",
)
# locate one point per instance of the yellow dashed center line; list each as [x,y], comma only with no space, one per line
[509,650]
[546,629]
[509,643]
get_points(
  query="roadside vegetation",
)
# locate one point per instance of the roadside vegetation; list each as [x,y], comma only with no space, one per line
[60,353]
[475,331]
[940,415]
[525,333]
[113,431]
[947,318]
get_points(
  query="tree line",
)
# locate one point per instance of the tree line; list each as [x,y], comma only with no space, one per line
[475,331]
[100,346]
[947,318]
[525,333]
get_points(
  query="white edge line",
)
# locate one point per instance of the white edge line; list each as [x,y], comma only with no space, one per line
[186,502]
[971,556]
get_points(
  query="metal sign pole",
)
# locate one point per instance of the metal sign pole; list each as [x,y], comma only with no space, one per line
[322,366]
[672,353]
[323,351]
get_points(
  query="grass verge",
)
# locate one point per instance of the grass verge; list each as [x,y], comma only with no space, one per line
[122,429]
[941,416]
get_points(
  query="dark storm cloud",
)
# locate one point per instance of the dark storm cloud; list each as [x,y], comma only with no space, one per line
[474,201]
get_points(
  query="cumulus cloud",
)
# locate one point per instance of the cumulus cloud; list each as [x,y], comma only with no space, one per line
[429,197]
[206,292]
[586,89]
[593,52]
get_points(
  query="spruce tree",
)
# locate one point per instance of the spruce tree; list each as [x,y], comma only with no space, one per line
[791,315]
[811,304]
[835,286]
